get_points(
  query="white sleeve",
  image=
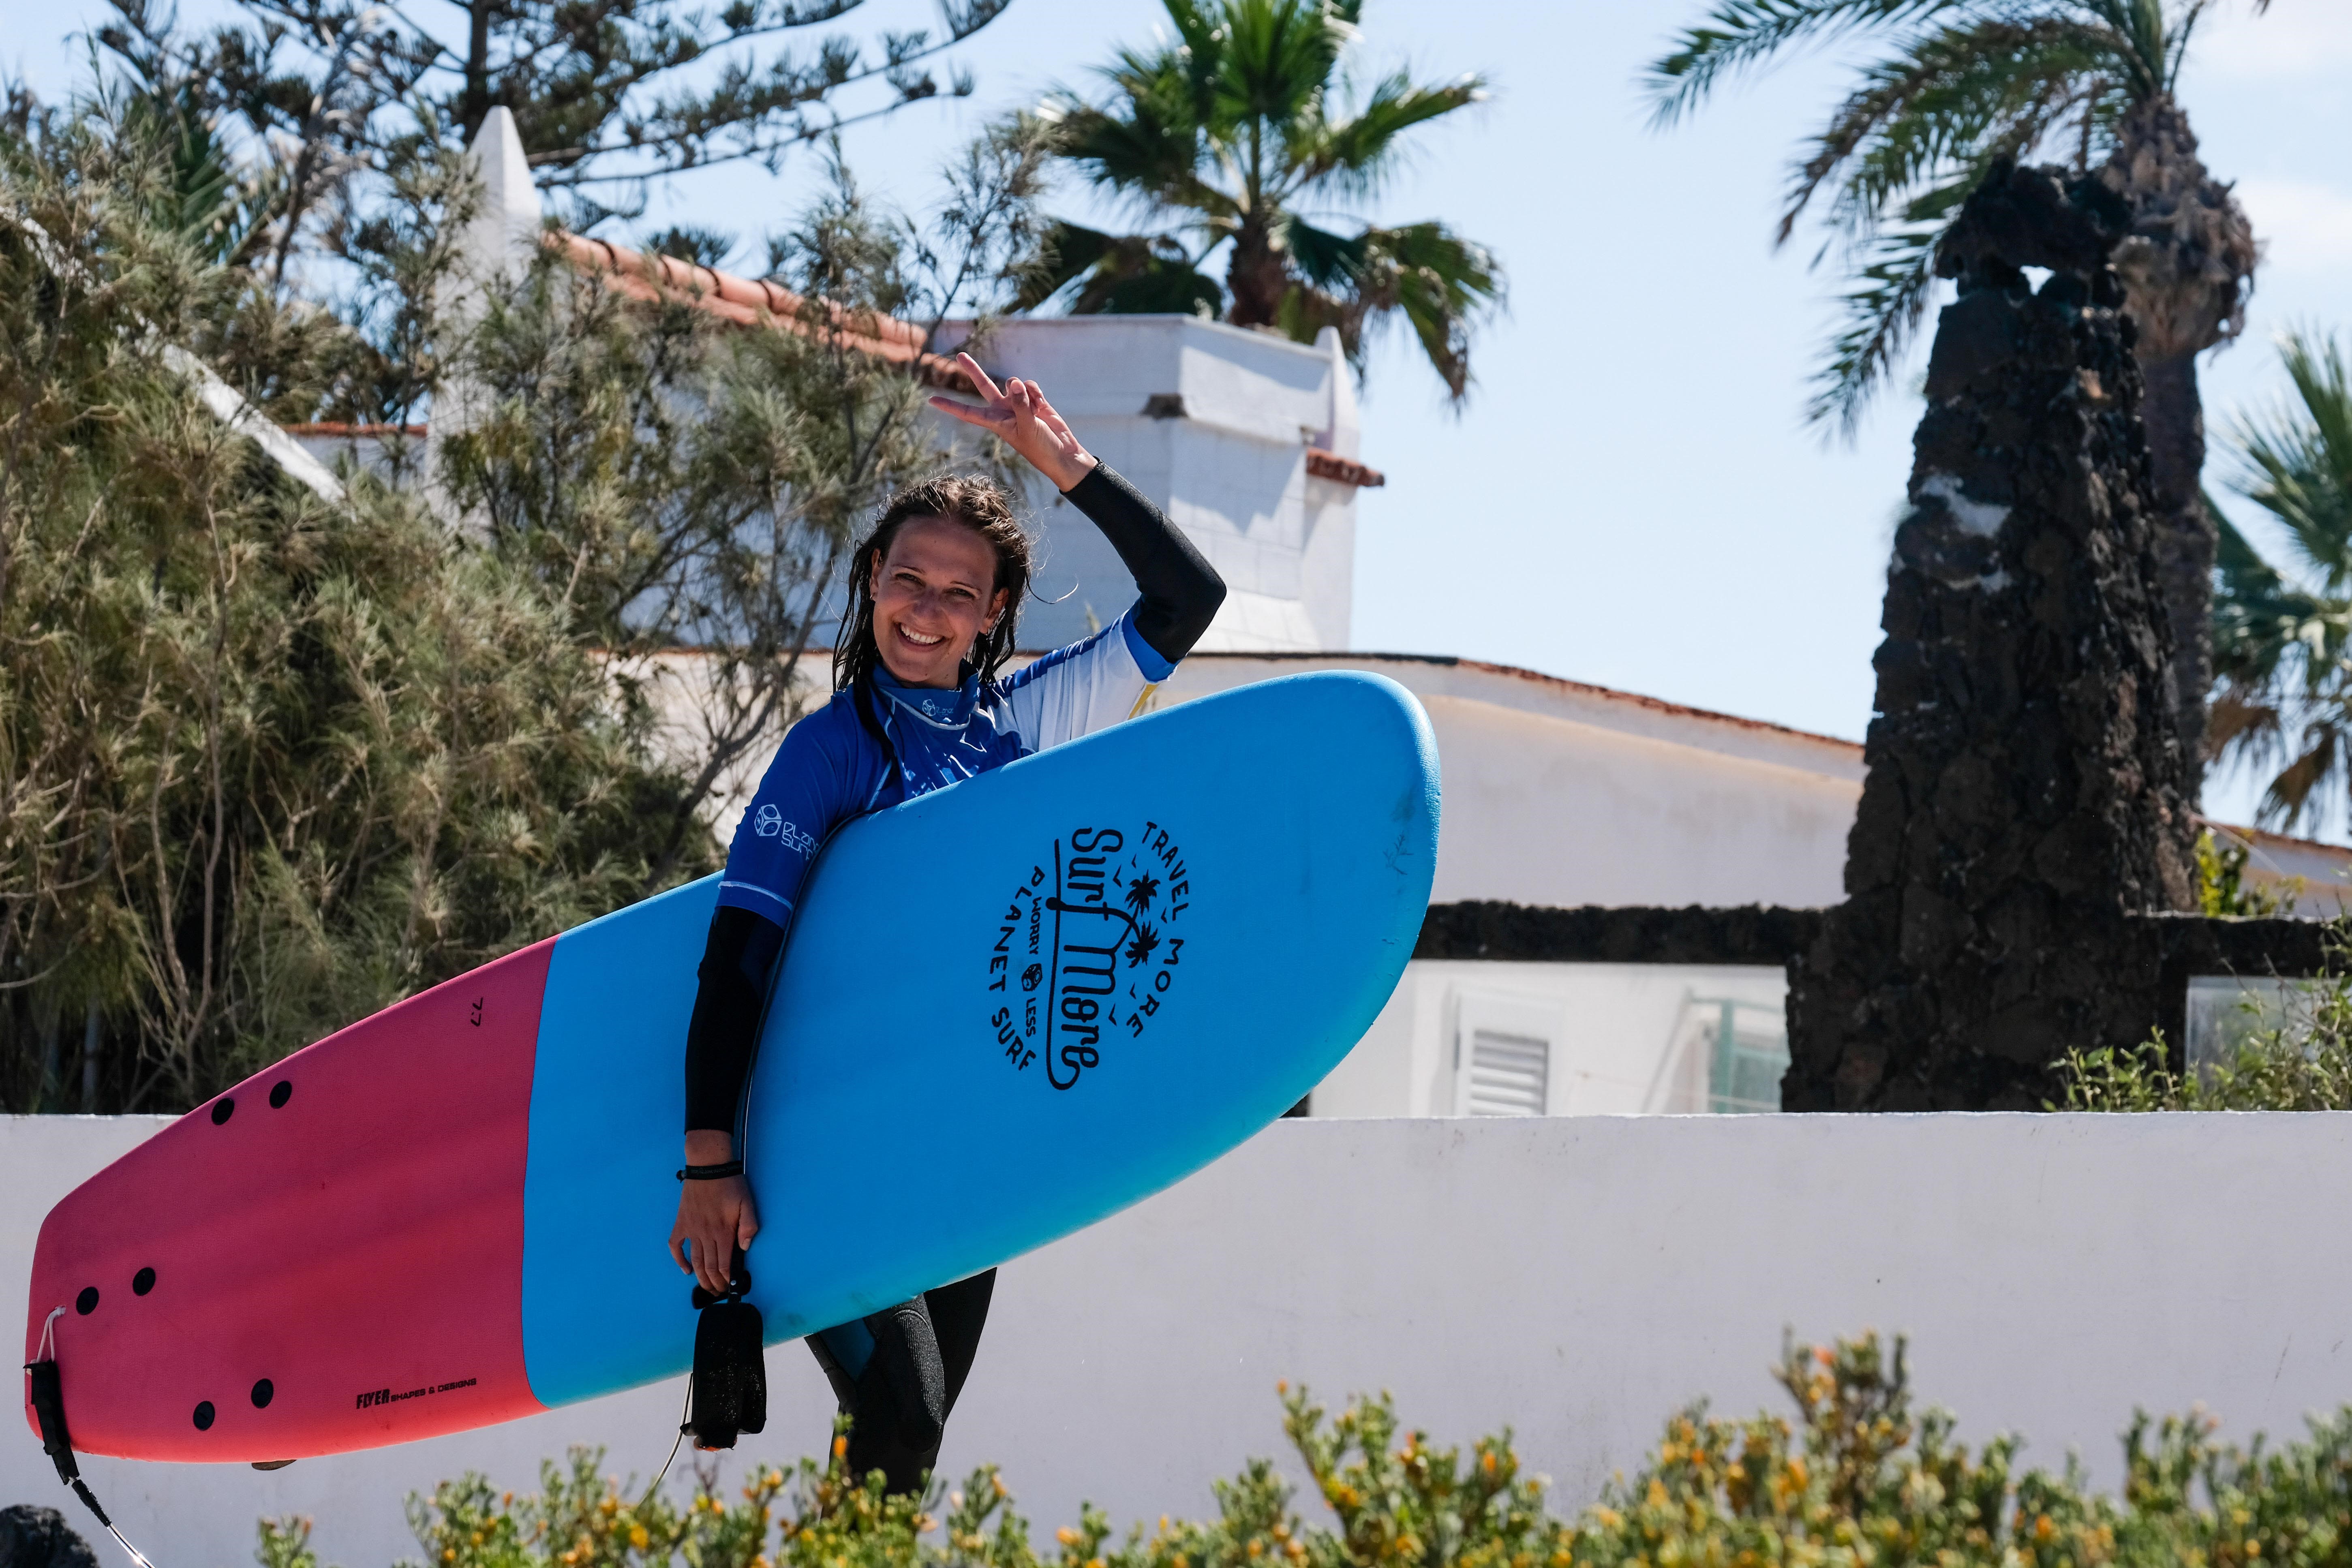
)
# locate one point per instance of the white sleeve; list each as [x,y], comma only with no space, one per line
[1085,687]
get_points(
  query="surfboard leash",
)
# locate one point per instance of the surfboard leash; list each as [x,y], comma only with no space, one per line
[685,1421]
[49,1410]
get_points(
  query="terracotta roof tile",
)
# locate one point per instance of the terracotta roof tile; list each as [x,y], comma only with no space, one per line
[1343,470]
[752,302]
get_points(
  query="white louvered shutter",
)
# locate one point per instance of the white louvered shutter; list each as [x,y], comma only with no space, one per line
[1509,1075]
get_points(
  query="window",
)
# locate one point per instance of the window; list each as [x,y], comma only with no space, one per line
[1746,1049]
[1509,1075]
[1503,1043]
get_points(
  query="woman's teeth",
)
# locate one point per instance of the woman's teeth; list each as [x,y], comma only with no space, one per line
[919,639]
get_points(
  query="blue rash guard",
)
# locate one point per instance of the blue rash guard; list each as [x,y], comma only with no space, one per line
[886,742]
[837,764]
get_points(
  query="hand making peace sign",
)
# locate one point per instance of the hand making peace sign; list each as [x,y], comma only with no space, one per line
[1019,413]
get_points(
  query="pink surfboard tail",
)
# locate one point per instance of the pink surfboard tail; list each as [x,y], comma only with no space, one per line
[305,1264]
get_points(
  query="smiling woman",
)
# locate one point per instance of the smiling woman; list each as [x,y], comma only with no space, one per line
[936,592]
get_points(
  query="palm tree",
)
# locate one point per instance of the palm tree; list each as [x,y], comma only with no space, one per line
[1964,82]
[1240,136]
[2282,639]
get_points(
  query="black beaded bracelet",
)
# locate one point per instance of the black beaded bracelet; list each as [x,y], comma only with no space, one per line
[711,1173]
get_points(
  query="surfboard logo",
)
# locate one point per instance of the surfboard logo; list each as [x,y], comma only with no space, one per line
[1093,938]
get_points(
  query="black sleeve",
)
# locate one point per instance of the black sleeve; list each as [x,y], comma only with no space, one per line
[725,1032]
[1180,590]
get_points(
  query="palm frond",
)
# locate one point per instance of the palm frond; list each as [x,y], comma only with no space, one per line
[2282,652]
[1947,100]
[1275,58]
[1895,279]
[1351,156]
[1440,283]
[1739,35]
[1122,275]
[2294,459]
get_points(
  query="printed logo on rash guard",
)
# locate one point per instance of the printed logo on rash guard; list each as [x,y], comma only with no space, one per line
[1088,948]
[769,823]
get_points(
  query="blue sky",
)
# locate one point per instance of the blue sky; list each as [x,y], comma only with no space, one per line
[1631,497]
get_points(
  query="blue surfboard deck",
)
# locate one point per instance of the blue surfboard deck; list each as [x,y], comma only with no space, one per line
[1006,1010]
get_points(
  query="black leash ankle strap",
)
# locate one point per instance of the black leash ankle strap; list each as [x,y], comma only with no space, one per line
[48,1399]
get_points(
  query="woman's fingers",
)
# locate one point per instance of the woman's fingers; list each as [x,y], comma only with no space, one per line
[979,377]
[678,1253]
[1055,426]
[711,1253]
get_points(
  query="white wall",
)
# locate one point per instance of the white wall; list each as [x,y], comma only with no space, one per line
[1577,1279]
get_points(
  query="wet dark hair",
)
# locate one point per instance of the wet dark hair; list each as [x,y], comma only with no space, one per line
[980,504]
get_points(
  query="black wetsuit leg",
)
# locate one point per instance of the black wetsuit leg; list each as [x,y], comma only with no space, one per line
[896,1375]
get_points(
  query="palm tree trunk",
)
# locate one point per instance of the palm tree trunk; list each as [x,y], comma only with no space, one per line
[1256,278]
[2184,542]
[2187,266]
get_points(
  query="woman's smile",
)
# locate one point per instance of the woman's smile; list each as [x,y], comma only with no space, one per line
[934,594]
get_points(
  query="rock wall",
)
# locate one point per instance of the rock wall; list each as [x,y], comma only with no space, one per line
[2025,791]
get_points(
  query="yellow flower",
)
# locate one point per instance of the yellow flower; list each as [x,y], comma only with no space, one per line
[639,1538]
[2042,1528]
[1486,1461]
[1067,1536]
[840,1448]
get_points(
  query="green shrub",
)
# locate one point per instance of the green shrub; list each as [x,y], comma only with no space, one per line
[1857,1479]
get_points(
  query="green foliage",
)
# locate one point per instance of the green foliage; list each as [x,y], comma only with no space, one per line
[1959,84]
[2283,634]
[319,101]
[265,764]
[1858,1478]
[814,1515]
[1229,135]
[2223,889]
[2304,1064]
[2300,1062]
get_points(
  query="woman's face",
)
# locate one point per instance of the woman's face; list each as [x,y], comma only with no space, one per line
[934,594]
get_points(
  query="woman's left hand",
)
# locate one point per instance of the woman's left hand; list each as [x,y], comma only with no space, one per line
[1018,412]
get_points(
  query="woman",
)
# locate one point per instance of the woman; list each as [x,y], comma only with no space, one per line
[935,592]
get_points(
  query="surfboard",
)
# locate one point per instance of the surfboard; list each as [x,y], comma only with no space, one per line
[1007,1009]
